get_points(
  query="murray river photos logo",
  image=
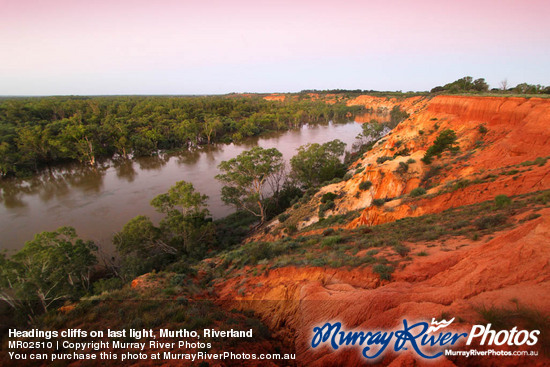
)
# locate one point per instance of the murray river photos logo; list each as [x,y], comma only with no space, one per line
[429,341]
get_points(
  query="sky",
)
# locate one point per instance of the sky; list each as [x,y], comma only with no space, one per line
[83,47]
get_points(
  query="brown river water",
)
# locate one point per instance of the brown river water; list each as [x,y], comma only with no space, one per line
[98,201]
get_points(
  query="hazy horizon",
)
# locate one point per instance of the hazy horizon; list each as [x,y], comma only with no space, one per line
[135,47]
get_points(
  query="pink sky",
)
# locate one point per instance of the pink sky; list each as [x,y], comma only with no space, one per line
[183,47]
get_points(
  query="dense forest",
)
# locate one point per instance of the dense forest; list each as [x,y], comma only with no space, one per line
[40,131]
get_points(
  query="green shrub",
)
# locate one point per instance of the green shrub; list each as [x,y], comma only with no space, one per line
[540,161]
[419,191]
[410,161]
[445,141]
[283,217]
[291,229]
[328,232]
[402,168]
[482,129]
[324,207]
[106,285]
[401,249]
[381,160]
[490,221]
[378,202]
[330,242]
[384,271]
[365,185]
[502,201]
[532,216]
[329,196]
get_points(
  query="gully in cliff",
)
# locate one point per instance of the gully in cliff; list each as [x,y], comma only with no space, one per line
[420,337]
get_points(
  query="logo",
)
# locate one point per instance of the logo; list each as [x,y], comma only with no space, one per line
[439,325]
[429,341]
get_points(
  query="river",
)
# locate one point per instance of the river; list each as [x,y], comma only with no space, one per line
[98,201]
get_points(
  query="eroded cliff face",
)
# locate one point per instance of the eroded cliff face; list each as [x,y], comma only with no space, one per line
[294,300]
[518,131]
[504,144]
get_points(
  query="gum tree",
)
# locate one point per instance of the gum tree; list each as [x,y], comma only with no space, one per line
[249,177]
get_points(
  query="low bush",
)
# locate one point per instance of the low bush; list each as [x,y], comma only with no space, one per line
[401,249]
[378,202]
[383,159]
[384,271]
[419,191]
[283,217]
[329,196]
[490,221]
[365,185]
[502,201]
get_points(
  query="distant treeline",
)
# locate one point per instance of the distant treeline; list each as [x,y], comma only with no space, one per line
[39,131]
[469,85]
[463,85]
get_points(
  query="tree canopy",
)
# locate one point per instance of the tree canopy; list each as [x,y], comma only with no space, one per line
[316,163]
[53,267]
[35,132]
[249,177]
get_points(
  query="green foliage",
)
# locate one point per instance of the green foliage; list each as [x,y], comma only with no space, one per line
[35,132]
[397,116]
[181,196]
[283,217]
[445,141]
[246,177]
[402,168]
[138,236]
[383,159]
[324,207]
[419,191]
[384,271]
[186,230]
[317,163]
[539,161]
[107,285]
[378,202]
[463,85]
[502,201]
[490,221]
[53,267]
[329,196]
[331,241]
[365,185]
[482,129]
[401,249]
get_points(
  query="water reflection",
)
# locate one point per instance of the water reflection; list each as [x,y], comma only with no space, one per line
[125,170]
[99,200]
[152,163]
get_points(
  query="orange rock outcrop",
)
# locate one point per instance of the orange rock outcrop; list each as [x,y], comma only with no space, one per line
[510,269]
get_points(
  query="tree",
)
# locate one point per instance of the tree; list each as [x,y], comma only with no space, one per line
[138,236]
[445,140]
[187,226]
[54,266]
[316,163]
[182,195]
[504,85]
[480,85]
[211,126]
[247,177]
